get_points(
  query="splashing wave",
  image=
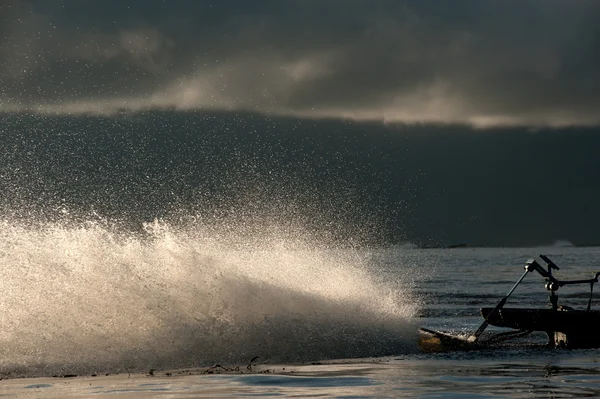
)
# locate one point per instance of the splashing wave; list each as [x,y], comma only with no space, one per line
[87,298]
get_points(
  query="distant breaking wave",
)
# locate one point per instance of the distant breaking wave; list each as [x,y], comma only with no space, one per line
[406,245]
[562,244]
[559,244]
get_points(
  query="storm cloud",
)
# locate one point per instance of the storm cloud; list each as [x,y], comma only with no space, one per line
[479,62]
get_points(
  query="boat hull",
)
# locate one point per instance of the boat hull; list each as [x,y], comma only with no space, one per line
[565,328]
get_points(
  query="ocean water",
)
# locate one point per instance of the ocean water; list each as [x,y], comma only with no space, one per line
[196,308]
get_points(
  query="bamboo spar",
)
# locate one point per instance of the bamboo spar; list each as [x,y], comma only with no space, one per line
[481,329]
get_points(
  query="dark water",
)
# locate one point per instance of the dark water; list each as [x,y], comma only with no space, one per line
[360,182]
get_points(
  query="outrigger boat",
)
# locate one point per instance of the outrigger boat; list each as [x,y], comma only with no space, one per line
[565,327]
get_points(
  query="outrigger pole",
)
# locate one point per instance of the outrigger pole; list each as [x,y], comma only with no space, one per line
[529,266]
[435,341]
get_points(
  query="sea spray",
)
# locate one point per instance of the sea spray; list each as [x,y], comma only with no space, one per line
[89,298]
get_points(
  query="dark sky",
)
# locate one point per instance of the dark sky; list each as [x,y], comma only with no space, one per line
[479,62]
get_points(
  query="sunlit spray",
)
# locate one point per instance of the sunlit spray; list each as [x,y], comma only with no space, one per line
[88,298]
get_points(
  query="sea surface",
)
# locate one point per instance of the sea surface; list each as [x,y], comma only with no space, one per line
[181,313]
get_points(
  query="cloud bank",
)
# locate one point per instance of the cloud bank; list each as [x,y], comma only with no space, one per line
[479,62]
